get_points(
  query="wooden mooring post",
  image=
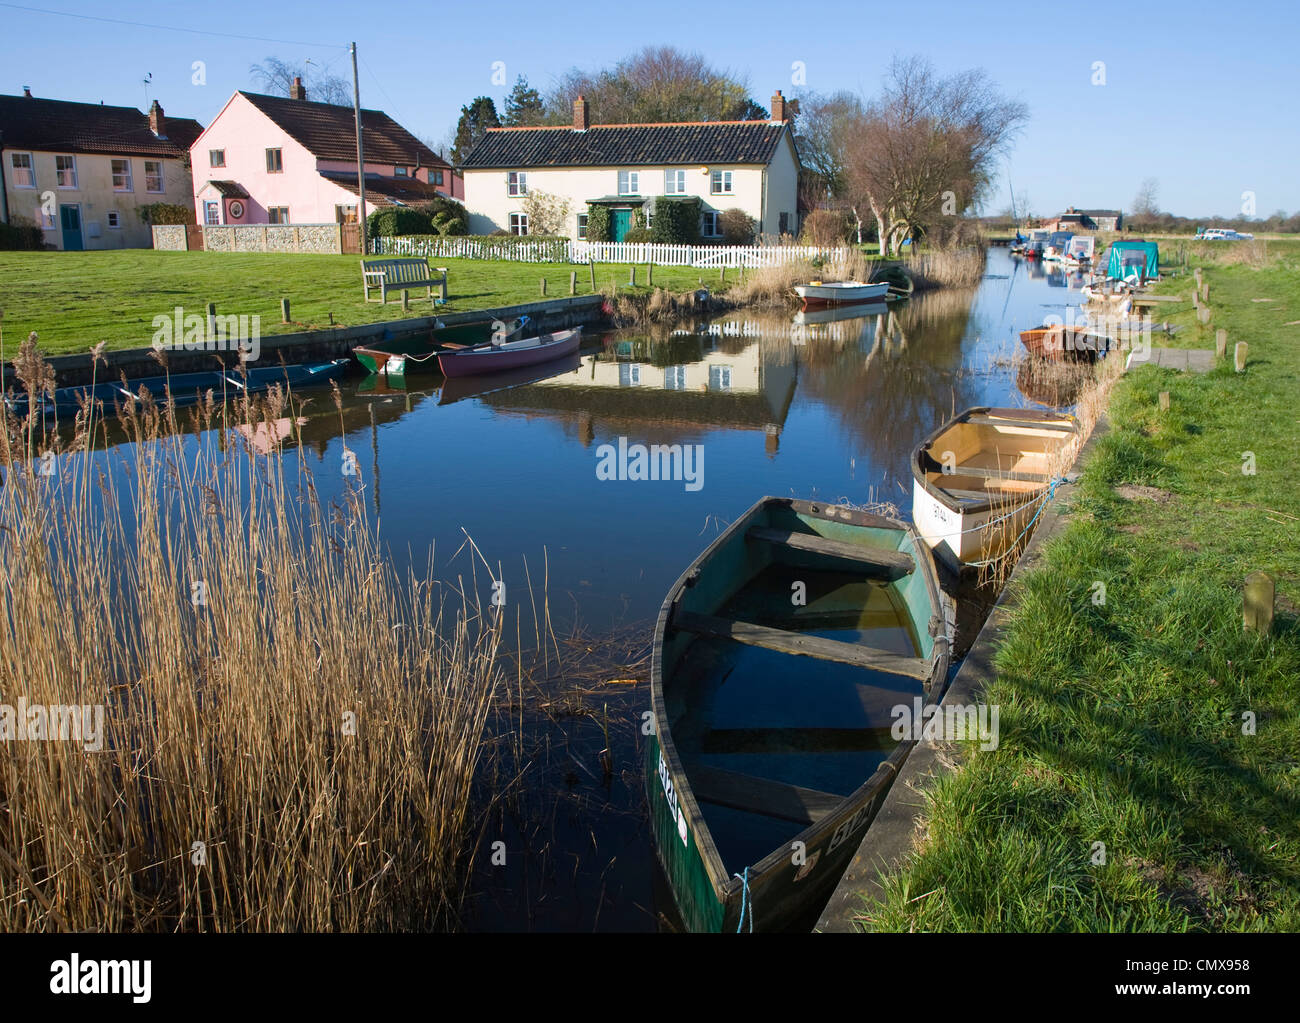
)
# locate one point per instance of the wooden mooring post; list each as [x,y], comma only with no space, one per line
[650,275]
[1220,343]
[543,287]
[573,282]
[1258,599]
[1164,401]
[1239,353]
[1204,314]
[284,311]
[631,281]
[592,267]
[1197,274]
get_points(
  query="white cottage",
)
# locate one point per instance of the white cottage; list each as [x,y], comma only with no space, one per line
[748,165]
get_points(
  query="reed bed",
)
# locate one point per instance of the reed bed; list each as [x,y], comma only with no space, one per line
[947,268]
[290,733]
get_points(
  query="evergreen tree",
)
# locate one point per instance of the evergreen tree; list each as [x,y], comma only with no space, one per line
[524,106]
[475,120]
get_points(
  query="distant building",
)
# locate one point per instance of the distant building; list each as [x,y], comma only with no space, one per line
[278,160]
[81,171]
[1086,220]
[749,165]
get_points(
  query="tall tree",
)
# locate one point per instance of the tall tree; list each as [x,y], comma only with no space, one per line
[656,84]
[475,120]
[1146,202]
[524,106]
[275,77]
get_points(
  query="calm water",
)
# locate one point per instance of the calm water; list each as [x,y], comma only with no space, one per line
[824,409]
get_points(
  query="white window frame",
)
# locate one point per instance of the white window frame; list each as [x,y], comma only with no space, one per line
[517,183]
[629,374]
[723,377]
[674,378]
[211,213]
[675,182]
[279,159]
[272,211]
[401,172]
[162,180]
[128,184]
[629,182]
[114,220]
[582,225]
[519,224]
[30,169]
[59,172]
[212,157]
[720,183]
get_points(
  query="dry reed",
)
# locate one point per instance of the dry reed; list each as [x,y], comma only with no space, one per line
[289,732]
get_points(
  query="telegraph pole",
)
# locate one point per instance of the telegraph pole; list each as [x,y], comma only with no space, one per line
[361,159]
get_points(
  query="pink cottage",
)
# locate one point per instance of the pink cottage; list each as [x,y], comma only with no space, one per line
[272,160]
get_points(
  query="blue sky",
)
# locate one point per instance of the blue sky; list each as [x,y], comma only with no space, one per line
[1202,97]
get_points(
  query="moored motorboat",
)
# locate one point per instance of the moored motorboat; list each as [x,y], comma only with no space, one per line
[838,292]
[495,357]
[980,478]
[1062,343]
[780,659]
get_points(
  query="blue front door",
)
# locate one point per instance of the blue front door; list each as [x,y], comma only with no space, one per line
[620,223]
[70,221]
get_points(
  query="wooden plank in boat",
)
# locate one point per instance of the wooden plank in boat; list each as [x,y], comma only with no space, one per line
[890,564]
[761,795]
[802,645]
[982,420]
[999,474]
[796,740]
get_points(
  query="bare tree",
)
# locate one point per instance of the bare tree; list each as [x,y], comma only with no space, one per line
[1146,203]
[275,77]
[926,149]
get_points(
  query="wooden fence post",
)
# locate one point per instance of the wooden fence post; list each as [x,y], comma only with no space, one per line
[1258,597]
[406,300]
[543,287]
[650,275]
[1205,314]
[592,267]
[1164,401]
[284,311]
[1220,343]
[1239,354]
[632,280]
[573,282]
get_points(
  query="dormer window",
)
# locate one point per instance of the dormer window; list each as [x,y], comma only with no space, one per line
[399,172]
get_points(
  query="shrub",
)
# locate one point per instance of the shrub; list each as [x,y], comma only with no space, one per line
[395,221]
[826,228]
[598,228]
[446,215]
[165,213]
[21,234]
[737,227]
[638,235]
[676,221]
[547,213]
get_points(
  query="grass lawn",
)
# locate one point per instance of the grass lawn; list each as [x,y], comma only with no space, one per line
[76,299]
[1122,722]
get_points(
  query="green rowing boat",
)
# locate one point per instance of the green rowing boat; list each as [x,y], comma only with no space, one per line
[419,352]
[780,659]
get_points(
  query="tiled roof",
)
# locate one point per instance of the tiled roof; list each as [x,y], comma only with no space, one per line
[385,191]
[53,125]
[229,189]
[627,145]
[330,132]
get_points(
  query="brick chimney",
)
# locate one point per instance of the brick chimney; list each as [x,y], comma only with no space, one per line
[27,91]
[581,115]
[778,106]
[297,90]
[157,123]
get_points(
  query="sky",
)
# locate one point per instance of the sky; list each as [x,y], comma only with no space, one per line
[1204,98]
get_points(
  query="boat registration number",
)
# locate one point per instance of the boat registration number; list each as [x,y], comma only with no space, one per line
[670,793]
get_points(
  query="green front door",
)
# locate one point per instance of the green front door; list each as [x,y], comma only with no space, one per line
[70,224]
[620,223]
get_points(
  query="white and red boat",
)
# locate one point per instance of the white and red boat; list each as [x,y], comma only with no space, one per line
[840,292]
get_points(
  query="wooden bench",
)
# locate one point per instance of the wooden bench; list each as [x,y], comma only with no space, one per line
[394,273]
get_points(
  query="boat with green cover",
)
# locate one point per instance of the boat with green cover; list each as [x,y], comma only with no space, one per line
[781,658]
[393,356]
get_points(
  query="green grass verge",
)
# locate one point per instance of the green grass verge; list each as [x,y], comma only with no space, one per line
[1122,722]
[74,300]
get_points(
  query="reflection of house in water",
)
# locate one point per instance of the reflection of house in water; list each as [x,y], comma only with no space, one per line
[668,389]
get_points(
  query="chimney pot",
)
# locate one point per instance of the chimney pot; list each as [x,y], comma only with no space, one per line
[27,91]
[778,106]
[157,123]
[297,90]
[581,115]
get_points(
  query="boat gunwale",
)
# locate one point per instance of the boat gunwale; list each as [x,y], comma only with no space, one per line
[969,506]
[727,887]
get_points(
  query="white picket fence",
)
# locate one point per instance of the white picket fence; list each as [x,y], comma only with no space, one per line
[563,250]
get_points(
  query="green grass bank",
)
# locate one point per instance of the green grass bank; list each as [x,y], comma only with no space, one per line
[75,300]
[1127,721]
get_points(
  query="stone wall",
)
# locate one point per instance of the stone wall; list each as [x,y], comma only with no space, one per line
[320,238]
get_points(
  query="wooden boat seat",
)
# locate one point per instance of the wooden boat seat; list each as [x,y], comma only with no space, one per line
[982,420]
[932,465]
[801,644]
[877,563]
[766,741]
[761,795]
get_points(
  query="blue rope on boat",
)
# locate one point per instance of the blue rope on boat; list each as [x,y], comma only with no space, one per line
[1051,493]
[744,903]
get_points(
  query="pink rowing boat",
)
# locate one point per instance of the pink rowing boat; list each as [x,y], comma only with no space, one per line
[493,358]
